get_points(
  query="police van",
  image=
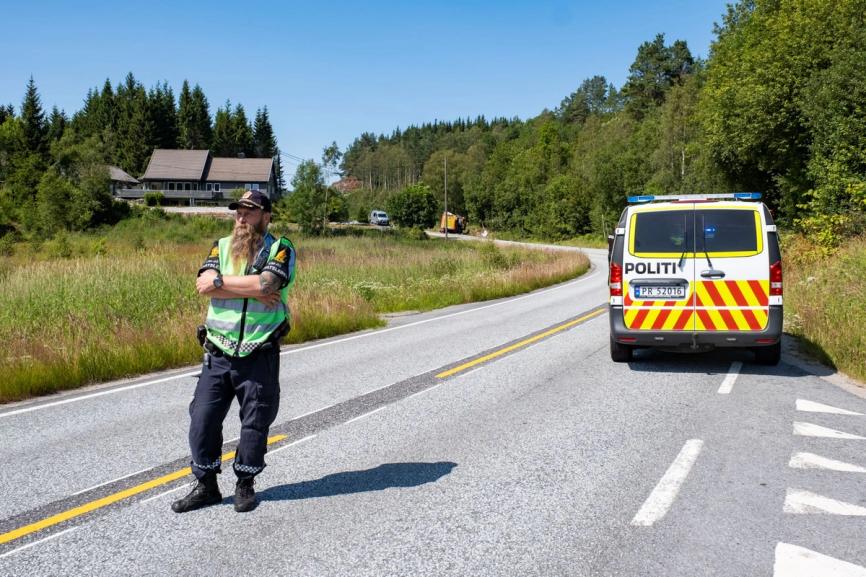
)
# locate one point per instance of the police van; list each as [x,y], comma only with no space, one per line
[696,272]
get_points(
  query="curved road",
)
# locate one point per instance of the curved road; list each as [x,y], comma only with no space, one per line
[489,439]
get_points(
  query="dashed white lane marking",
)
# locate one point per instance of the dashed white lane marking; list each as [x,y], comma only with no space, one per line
[810,430]
[302,349]
[813,407]
[662,497]
[28,545]
[794,561]
[813,461]
[359,417]
[728,383]
[799,502]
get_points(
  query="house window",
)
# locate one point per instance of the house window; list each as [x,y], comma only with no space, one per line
[216,187]
[171,186]
[187,186]
[254,186]
[208,187]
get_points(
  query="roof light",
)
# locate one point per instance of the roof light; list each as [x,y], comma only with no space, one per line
[694,197]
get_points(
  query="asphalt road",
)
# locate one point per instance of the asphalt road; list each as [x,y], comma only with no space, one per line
[490,439]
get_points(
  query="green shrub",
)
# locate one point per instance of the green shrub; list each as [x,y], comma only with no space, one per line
[154,198]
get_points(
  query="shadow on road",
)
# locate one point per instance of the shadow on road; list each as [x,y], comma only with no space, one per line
[379,478]
[711,362]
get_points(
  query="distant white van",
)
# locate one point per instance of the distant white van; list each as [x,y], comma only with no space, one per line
[379,218]
[696,272]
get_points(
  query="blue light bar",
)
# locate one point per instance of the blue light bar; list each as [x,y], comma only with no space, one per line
[642,198]
[694,197]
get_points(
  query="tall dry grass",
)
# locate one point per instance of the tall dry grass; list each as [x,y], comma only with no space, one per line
[825,301]
[132,308]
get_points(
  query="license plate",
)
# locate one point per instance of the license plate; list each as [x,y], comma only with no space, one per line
[660,292]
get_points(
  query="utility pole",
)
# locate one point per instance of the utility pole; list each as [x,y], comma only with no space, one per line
[445,158]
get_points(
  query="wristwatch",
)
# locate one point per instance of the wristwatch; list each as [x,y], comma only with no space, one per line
[218,281]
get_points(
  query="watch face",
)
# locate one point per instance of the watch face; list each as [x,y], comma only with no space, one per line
[218,282]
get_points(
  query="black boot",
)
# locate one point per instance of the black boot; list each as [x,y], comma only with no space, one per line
[206,492]
[245,495]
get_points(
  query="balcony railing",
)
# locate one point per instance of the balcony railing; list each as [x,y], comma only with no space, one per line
[186,194]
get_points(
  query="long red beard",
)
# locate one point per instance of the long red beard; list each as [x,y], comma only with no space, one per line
[245,241]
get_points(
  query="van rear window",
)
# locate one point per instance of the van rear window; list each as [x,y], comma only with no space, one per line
[665,232]
[702,230]
[726,231]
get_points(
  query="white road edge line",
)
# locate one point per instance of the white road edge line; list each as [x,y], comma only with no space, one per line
[164,493]
[359,417]
[28,545]
[298,350]
[112,481]
[292,444]
[662,497]
[728,383]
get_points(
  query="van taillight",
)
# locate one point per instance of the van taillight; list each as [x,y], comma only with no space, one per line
[615,280]
[776,278]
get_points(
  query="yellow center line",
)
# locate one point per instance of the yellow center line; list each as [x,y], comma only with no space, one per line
[522,343]
[110,499]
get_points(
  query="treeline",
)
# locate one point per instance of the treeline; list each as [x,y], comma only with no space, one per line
[779,107]
[53,168]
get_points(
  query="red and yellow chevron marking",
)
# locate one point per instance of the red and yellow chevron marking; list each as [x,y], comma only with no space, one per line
[658,315]
[711,306]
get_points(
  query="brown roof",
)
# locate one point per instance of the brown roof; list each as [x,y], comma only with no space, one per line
[176,164]
[240,169]
[118,175]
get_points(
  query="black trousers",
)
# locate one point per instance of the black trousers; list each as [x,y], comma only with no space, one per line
[254,381]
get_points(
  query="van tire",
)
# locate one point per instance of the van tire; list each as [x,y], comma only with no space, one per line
[620,353]
[769,355]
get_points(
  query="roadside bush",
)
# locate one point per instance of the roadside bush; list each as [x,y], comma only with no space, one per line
[413,207]
[154,198]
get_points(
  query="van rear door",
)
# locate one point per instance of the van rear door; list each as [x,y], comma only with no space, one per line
[731,268]
[659,269]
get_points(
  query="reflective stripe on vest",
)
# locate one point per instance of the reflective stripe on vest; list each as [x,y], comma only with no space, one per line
[239,326]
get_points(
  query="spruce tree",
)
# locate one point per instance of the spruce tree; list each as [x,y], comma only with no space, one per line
[223,142]
[56,124]
[6,112]
[135,127]
[242,132]
[193,119]
[35,127]
[162,109]
[264,141]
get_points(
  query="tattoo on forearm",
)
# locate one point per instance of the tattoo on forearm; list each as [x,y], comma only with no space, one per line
[269,283]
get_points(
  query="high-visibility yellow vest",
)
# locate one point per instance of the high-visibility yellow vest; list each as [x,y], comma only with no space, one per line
[239,326]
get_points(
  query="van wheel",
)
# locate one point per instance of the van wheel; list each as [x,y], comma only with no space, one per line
[769,355]
[619,353]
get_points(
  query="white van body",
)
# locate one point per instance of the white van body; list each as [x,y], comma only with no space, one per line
[379,218]
[696,272]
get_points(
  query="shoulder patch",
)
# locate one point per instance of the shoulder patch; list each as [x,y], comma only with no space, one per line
[214,252]
[281,256]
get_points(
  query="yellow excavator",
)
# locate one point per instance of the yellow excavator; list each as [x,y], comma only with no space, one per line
[452,223]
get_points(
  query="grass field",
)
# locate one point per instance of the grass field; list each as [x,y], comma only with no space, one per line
[120,302]
[825,302]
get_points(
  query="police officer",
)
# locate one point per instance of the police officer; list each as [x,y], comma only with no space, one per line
[247,276]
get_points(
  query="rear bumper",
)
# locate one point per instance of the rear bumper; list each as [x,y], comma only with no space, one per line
[697,339]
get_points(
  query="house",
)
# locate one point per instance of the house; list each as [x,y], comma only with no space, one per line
[191,175]
[120,179]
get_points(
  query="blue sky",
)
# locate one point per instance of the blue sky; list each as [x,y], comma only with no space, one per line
[329,71]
